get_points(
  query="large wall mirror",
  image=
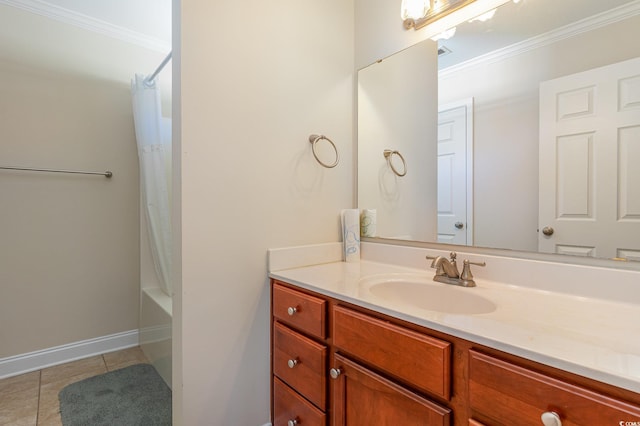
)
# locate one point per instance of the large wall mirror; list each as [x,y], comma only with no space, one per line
[531,144]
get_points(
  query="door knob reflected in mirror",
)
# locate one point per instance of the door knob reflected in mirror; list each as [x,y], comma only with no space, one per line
[459,225]
[548,231]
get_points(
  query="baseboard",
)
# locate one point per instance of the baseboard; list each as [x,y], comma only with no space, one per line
[155,334]
[24,363]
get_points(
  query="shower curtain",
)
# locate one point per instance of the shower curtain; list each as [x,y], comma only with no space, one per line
[153,135]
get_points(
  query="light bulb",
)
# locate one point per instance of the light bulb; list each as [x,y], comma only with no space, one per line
[414,9]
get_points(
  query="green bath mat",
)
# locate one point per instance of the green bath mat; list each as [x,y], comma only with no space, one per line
[132,396]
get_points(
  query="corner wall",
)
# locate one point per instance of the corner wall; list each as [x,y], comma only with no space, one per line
[255,80]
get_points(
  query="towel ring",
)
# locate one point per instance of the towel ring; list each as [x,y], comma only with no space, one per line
[314,139]
[388,154]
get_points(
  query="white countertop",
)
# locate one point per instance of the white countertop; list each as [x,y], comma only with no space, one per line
[591,337]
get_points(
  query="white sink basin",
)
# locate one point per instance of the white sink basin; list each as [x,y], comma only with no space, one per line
[423,293]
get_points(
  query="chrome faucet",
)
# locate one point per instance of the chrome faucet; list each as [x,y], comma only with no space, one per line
[447,270]
[445,267]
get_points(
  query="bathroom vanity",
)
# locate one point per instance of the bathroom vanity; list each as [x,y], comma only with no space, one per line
[345,352]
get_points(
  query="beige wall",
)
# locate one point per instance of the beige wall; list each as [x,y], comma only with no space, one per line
[69,253]
[256,79]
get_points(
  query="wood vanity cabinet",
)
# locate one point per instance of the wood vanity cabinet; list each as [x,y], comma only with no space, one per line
[342,365]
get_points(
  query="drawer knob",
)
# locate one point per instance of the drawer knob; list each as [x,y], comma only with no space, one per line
[292,363]
[334,373]
[293,422]
[291,310]
[551,418]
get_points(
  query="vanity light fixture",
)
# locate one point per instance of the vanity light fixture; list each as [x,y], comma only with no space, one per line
[419,13]
[414,9]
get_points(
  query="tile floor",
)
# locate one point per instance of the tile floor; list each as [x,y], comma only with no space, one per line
[31,399]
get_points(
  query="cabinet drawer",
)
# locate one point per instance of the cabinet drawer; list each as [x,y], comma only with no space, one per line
[508,394]
[412,357]
[302,311]
[288,405]
[307,372]
[362,397]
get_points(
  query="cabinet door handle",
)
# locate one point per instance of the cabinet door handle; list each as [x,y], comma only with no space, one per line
[551,418]
[334,373]
[292,310]
[292,362]
[293,422]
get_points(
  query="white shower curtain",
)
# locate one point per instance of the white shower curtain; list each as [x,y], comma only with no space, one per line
[153,135]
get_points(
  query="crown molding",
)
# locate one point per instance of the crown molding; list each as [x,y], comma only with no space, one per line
[588,24]
[89,23]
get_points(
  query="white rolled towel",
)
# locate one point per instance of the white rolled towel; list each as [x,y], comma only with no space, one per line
[350,219]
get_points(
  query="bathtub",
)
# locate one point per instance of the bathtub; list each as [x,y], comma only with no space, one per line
[155,310]
[155,329]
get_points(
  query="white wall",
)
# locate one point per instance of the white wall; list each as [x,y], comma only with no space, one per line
[69,262]
[506,127]
[392,116]
[256,79]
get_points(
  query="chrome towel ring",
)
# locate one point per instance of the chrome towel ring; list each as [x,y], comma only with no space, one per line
[388,154]
[314,139]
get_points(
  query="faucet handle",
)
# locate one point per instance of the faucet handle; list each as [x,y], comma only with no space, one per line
[466,274]
[453,256]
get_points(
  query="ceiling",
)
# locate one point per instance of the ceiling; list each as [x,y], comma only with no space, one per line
[514,23]
[100,39]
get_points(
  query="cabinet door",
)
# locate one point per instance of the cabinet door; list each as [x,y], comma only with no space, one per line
[361,397]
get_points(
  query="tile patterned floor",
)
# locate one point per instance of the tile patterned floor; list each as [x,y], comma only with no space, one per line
[31,399]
